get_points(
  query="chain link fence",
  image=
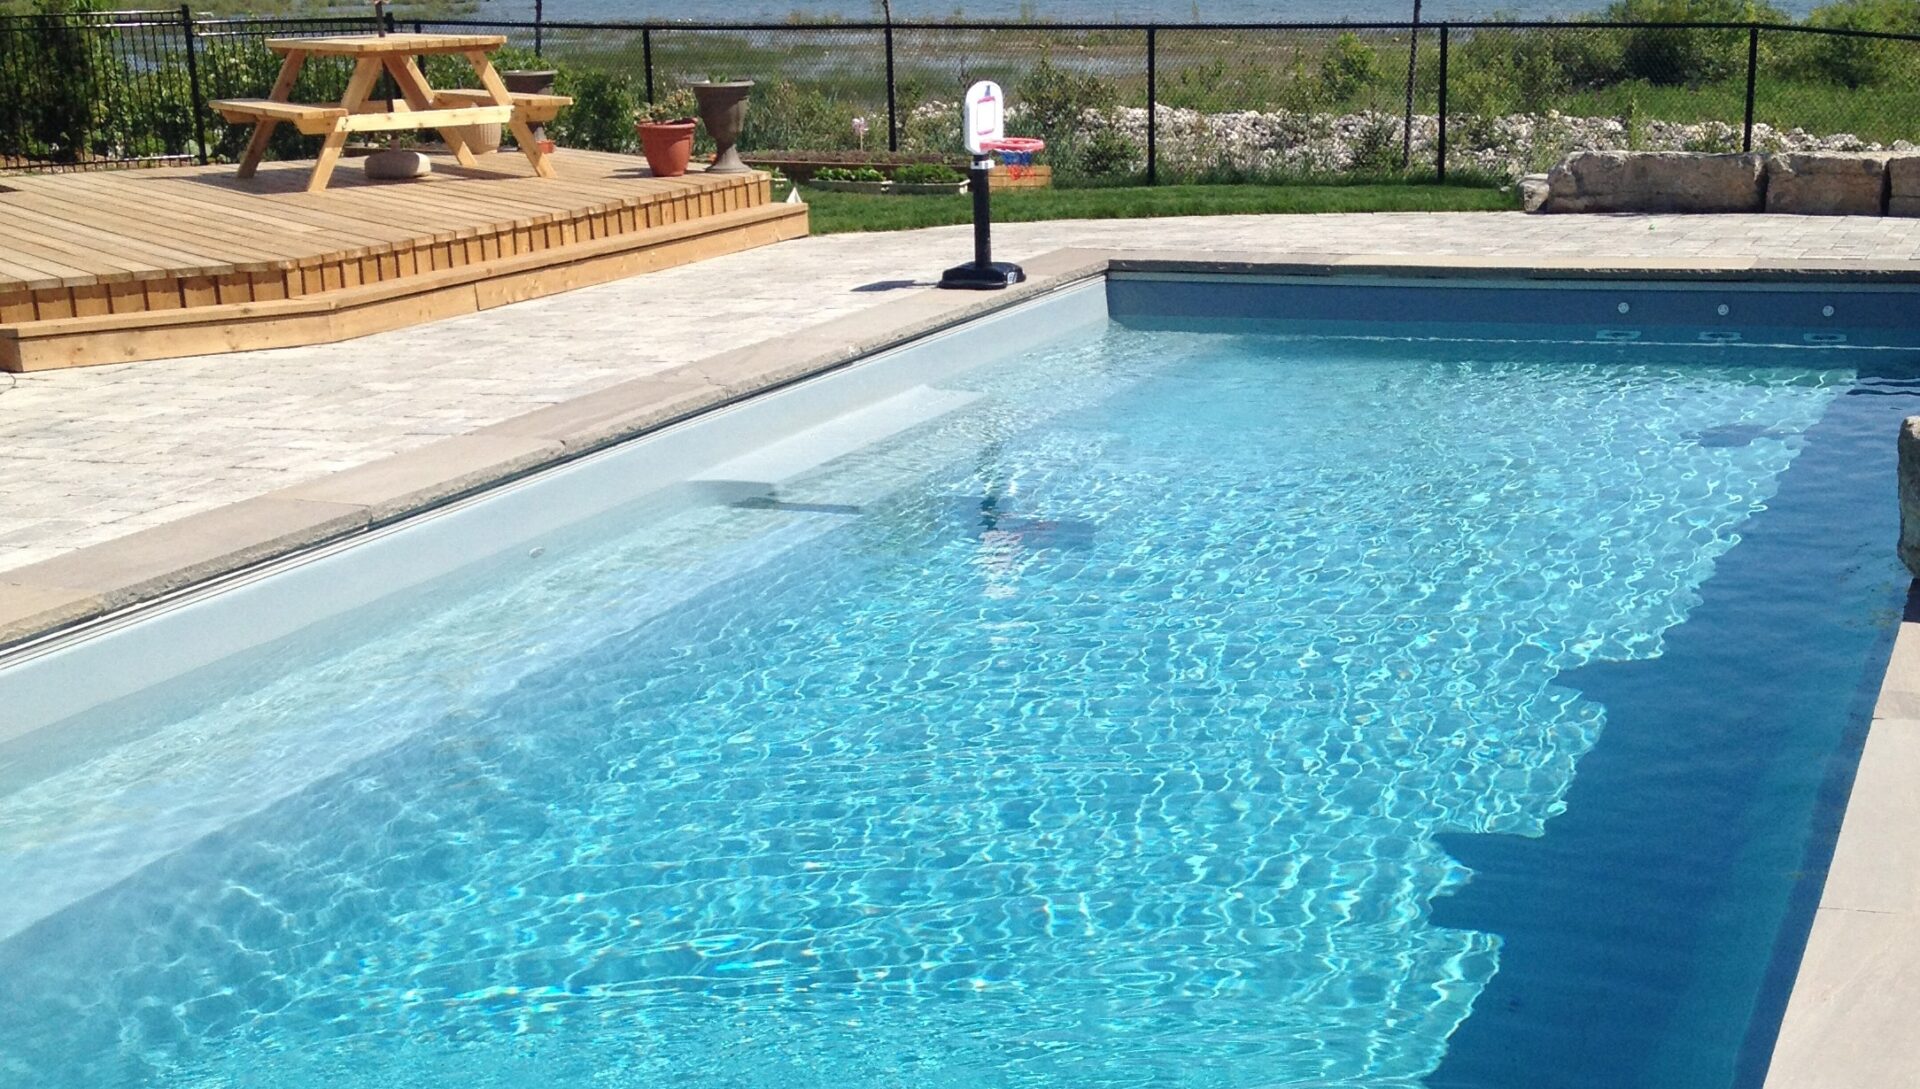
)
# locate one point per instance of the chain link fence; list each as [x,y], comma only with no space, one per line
[1117,103]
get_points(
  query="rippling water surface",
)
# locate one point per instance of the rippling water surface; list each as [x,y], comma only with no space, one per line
[1097,734]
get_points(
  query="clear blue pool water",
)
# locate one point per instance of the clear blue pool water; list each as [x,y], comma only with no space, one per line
[1242,708]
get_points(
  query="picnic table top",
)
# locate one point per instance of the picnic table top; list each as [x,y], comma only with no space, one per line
[356,45]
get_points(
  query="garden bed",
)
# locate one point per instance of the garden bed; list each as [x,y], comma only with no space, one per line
[890,187]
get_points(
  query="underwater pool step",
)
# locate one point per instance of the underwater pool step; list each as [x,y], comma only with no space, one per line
[788,458]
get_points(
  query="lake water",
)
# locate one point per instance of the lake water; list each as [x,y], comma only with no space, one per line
[1169,11]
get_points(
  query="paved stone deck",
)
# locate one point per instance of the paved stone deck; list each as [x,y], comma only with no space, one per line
[96,453]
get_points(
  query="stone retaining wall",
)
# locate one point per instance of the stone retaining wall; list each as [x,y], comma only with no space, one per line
[1860,183]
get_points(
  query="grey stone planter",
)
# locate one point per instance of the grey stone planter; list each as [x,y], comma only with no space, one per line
[723,109]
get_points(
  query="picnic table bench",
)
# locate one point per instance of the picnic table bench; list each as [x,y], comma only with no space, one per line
[420,107]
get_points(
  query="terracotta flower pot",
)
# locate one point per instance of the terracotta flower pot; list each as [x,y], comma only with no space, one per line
[667,144]
[723,108]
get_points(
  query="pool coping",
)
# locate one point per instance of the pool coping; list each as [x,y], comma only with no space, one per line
[1846,1018]
[1849,1018]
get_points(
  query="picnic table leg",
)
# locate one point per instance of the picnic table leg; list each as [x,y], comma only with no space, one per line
[419,96]
[365,73]
[522,132]
[263,130]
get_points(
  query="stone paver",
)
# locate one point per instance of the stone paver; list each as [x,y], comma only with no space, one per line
[100,452]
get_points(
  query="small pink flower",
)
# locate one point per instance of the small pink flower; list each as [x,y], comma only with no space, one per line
[859,126]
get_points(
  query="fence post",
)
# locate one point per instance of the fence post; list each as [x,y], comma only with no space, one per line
[539,25]
[646,59]
[199,100]
[893,120]
[1153,106]
[1753,66]
[1413,71]
[1440,142]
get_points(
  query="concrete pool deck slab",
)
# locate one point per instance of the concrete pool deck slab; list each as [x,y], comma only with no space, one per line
[125,483]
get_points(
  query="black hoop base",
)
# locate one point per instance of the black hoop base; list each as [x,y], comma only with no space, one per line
[988,277]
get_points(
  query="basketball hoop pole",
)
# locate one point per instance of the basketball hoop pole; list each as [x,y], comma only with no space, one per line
[984,274]
[982,118]
[980,183]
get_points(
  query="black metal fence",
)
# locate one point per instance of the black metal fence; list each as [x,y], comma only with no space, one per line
[1116,102]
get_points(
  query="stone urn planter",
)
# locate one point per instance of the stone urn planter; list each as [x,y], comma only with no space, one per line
[533,81]
[723,109]
[667,145]
[530,81]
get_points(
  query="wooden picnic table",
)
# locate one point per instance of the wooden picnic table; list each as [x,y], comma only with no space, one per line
[419,106]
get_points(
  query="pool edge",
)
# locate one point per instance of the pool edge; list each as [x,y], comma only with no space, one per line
[1848,1019]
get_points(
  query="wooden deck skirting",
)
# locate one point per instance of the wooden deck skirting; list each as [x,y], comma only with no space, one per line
[112,268]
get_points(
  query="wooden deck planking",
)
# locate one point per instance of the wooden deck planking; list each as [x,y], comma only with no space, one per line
[240,224]
[113,246]
[203,222]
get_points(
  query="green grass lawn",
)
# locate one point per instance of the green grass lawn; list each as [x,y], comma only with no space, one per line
[835,213]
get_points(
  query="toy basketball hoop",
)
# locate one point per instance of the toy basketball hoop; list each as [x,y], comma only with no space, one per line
[1016,153]
[983,128]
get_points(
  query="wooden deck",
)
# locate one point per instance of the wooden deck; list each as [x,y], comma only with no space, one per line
[118,266]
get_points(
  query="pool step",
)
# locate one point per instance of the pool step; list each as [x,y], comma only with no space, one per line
[781,461]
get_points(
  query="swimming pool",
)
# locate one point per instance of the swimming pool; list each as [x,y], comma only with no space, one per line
[1245,684]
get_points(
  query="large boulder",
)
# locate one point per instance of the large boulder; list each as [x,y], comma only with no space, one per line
[1535,190]
[1828,183]
[1656,181]
[1910,494]
[1903,185]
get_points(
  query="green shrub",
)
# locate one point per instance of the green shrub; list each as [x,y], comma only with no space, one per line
[850,174]
[1856,62]
[1481,95]
[1054,102]
[1633,122]
[1376,147]
[603,110]
[1349,67]
[786,114]
[61,83]
[1665,56]
[1506,71]
[1107,154]
[925,131]
[927,174]
[678,105]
